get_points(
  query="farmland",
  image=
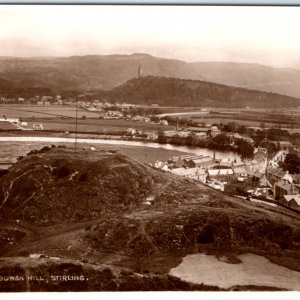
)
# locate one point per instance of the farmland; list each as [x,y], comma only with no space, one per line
[285,119]
[6,126]
[40,111]
[63,118]
[95,125]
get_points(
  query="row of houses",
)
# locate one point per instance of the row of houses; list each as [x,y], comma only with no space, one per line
[284,186]
[39,100]
[202,168]
[197,132]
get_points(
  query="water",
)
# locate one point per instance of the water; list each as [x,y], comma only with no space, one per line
[15,142]
[254,270]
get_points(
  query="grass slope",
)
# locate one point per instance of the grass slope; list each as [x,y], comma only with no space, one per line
[88,207]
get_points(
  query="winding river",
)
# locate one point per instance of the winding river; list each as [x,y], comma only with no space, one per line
[226,155]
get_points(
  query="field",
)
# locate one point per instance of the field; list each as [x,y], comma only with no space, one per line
[286,119]
[62,118]
[40,111]
[6,126]
[96,125]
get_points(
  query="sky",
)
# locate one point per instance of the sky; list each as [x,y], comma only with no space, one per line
[265,35]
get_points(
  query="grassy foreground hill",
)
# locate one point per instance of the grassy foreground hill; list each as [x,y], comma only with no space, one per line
[91,209]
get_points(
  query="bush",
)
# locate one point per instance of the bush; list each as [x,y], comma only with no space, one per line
[45,149]
[61,172]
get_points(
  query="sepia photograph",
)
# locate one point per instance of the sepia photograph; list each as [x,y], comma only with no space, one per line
[149,148]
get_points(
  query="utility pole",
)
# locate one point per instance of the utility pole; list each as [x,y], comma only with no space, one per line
[76,124]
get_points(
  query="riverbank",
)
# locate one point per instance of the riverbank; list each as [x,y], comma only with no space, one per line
[228,155]
[10,151]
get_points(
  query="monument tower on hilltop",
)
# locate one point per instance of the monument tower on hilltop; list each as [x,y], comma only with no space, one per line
[139,71]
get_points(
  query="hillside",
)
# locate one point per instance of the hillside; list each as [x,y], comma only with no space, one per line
[90,207]
[251,76]
[104,72]
[182,92]
[87,72]
[48,189]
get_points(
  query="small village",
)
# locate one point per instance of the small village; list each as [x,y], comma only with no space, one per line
[259,179]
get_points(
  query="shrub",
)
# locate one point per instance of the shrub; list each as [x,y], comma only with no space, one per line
[61,172]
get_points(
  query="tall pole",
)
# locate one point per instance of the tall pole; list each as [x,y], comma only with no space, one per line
[76,121]
[267,157]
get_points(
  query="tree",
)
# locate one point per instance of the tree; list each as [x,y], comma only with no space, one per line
[242,129]
[245,149]
[221,141]
[230,127]
[291,163]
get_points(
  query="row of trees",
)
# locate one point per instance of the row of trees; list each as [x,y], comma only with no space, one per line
[243,147]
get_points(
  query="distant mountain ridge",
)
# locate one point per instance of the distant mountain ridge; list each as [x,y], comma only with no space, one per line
[184,92]
[104,72]
[253,76]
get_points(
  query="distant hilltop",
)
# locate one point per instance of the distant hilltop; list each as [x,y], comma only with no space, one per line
[104,72]
[180,92]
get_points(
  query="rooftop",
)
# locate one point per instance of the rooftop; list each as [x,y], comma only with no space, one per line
[284,185]
[288,198]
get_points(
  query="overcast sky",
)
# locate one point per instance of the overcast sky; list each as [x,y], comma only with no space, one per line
[266,35]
